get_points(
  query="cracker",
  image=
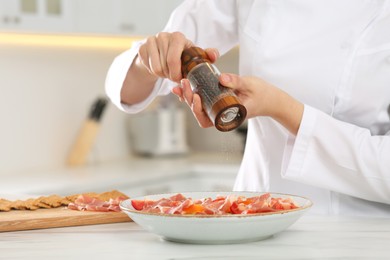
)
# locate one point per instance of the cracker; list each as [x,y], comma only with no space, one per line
[29,204]
[5,205]
[54,201]
[114,194]
[38,202]
[65,202]
[18,204]
[73,197]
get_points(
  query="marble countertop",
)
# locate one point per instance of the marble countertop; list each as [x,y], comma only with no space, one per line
[311,237]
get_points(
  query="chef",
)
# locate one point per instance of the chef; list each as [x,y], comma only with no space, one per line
[314,77]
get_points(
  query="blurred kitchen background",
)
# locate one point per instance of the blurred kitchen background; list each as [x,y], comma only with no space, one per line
[54,56]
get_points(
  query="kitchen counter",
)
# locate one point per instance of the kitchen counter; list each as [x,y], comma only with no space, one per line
[130,173]
[311,237]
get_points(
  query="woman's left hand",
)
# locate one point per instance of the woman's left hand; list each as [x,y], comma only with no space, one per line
[259,97]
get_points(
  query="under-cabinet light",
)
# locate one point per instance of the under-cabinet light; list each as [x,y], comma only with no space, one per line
[64,40]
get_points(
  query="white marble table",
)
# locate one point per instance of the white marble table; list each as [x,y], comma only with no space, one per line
[312,237]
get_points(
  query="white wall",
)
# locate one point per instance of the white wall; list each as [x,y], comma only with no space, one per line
[46,93]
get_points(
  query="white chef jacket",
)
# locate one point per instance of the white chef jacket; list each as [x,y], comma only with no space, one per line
[332,55]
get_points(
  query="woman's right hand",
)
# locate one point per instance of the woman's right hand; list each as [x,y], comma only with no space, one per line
[160,55]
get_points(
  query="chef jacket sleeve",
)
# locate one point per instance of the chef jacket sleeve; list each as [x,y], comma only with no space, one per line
[338,156]
[206,23]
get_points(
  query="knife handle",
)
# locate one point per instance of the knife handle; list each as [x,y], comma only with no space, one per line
[86,138]
[84,143]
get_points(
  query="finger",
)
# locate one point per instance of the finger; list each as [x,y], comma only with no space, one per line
[162,40]
[187,91]
[143,57]
[178,91]
[163,64]
[200,115]
[213,54]
[230,80]
[177,44]
[154,57]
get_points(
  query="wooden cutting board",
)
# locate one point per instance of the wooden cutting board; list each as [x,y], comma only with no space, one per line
[16,220]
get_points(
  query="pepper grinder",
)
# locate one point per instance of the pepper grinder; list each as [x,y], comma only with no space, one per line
[220,103]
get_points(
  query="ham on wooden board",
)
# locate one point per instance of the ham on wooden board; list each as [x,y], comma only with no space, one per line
[85,202]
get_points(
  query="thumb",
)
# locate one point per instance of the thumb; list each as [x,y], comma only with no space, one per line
[230,80]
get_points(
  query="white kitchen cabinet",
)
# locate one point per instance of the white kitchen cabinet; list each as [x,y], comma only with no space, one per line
[127,17]
[36,15]
[95,16]
[145,17]
[118,17]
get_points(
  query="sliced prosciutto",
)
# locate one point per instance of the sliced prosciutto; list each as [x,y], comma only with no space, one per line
[87,203]
[232,204]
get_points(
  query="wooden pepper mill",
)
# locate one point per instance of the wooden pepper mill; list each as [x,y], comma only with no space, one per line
[220,103]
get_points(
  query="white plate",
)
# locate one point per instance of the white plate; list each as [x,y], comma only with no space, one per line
[216,229]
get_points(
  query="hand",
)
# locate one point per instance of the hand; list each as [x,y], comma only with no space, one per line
[259,97]
[250,91]
[161,54]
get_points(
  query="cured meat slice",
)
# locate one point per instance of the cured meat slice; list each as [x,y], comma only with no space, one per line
[86,203]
